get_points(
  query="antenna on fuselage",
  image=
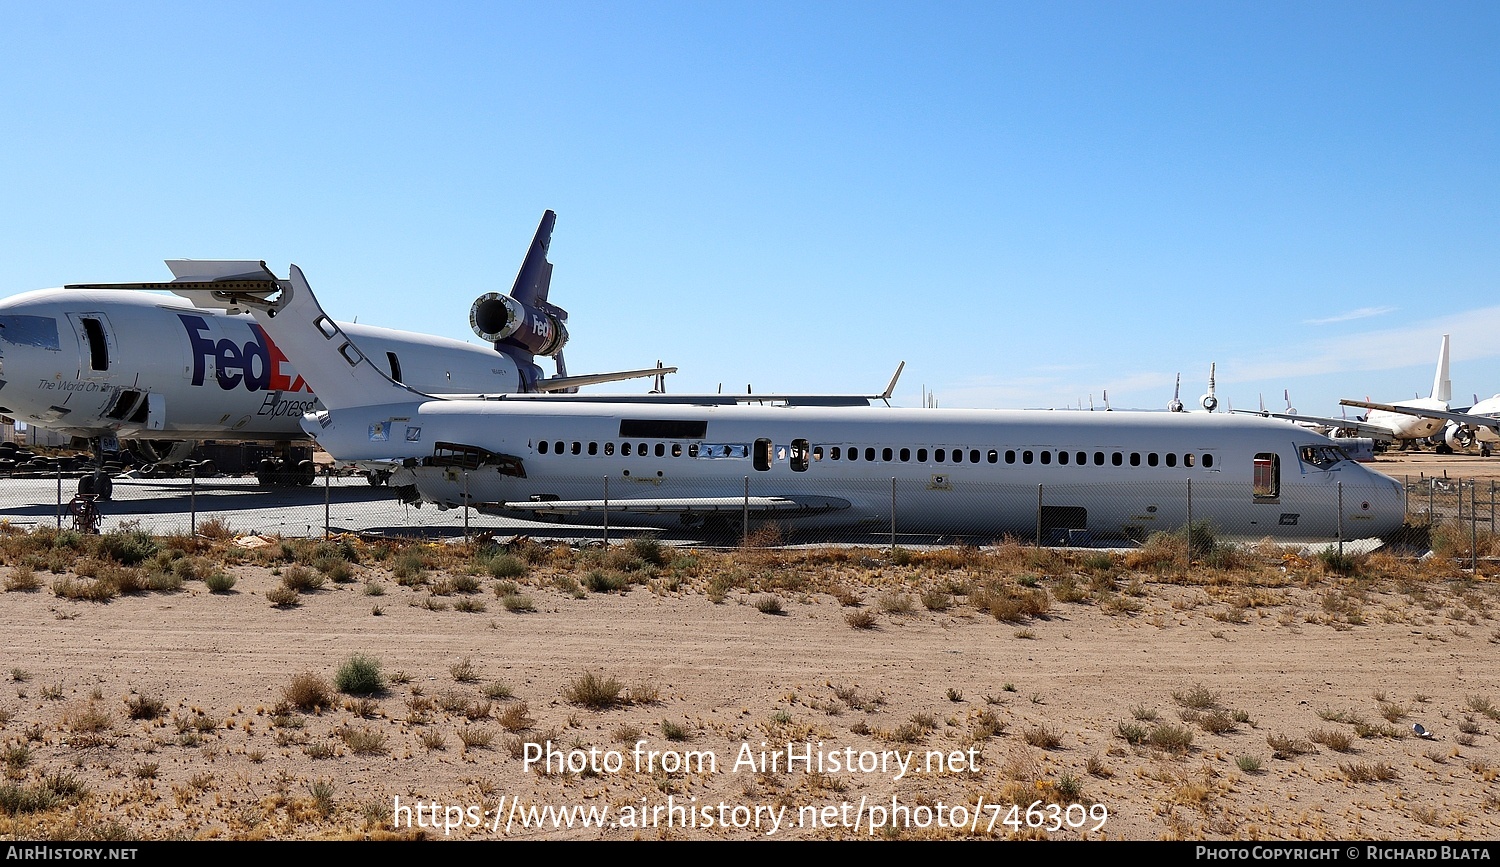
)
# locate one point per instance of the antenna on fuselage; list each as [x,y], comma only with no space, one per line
[1175,405]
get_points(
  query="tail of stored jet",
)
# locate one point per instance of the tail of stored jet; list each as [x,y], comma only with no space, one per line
[1442,386]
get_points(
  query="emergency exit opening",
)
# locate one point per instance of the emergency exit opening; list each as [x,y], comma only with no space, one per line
[93,335]
[1267,483]
[762,454]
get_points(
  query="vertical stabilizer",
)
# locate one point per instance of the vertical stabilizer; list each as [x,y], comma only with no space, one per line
[1442,386]
[535,277]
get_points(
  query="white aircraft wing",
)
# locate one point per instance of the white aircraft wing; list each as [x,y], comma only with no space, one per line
[791,507]
[1374,431]
[1470,419]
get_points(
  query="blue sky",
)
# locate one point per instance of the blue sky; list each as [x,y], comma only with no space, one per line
[1030,204]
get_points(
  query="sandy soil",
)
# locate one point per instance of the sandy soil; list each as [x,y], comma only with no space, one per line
[1298,689]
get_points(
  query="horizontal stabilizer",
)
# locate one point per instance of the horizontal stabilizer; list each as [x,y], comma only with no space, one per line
[562,383]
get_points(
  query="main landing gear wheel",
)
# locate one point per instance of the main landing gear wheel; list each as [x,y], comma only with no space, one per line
[274,473]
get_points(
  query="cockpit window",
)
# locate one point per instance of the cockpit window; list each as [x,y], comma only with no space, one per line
[1323,457]
[38,331]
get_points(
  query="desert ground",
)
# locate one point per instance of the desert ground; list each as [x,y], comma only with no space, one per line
[356,690]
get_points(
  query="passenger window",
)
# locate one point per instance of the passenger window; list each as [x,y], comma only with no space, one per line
[973,456]
[577,448]
[1026,457]
[676,450]
[1208,461]
[1081,458]
[1151,459]
[905,455]
[692,450]
[1135,459]
[625,449]
[817,453]
[762,454]
[661,449]
[1062,457]
[939,455]
[541,447]
[994,456]
[1046,457]
[1098,459]
[958,456]
[798,457]
[1171,459]
[609,448]
[921,456]
[593,448]
[1116,459]
[852,454]
[558,446]
[1010,456]
[1267,476]
[885,454]
[834,453]
[1187,459]
[869,454]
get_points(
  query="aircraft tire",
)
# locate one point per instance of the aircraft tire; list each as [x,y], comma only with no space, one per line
[105,487]
[306,473]
[86,486]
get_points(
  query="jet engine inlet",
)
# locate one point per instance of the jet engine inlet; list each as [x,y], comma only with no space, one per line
[499,318]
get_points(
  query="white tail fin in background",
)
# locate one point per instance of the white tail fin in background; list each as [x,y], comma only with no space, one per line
[1442,386]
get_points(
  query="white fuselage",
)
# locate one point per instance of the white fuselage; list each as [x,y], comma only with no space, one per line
[1409,427]
[945,471]
[141,365]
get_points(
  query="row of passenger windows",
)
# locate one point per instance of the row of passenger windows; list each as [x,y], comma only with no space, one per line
[889,454]
[1025,456]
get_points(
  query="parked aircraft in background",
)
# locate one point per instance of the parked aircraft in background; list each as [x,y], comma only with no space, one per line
[687,465]
[1209,401]
[1479,424]
[158,375]
[1406,422]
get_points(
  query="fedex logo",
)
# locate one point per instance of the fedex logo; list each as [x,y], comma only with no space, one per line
[258,364]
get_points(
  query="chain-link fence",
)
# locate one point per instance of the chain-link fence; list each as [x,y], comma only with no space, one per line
[941,510]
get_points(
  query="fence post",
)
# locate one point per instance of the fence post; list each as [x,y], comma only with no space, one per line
[1039,516]
[466,505]
[1189,523]
[327,497]
[606,511]
[745,515]
[1473,530]
[59,497]
[193,500]
[1492,507]
[1406,496]
[893,513]
[1431,515]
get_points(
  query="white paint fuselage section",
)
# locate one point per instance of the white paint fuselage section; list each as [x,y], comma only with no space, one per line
[209,374]
[1006,455]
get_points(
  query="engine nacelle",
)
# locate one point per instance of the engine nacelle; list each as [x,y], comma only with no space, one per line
[499,318]
[1457,436]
